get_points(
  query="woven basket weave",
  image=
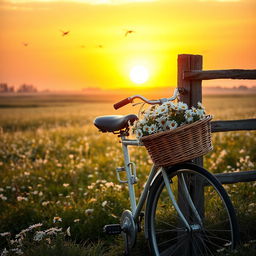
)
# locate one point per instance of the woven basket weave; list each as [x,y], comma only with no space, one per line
[181,144]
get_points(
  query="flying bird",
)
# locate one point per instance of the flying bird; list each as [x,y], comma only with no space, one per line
[25,44]
[99,46]
[127,32]
[64,33]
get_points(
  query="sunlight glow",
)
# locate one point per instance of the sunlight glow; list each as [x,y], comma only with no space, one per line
[93,2]
[139,74]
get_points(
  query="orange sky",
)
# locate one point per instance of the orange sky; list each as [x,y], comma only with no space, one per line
[224,32]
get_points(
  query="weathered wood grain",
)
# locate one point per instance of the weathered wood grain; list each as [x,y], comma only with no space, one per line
[219,74]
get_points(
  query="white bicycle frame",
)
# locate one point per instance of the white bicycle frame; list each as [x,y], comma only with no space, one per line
[130,169]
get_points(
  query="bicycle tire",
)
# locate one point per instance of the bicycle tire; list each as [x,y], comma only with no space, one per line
[167,234]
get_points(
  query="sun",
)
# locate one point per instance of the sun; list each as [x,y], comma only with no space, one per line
[139,74]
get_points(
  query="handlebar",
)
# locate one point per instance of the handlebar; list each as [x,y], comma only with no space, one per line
[152,102]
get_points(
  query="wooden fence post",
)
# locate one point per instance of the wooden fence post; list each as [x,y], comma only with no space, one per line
[191,94]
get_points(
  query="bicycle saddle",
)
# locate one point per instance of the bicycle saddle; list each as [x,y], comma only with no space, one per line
[114,123]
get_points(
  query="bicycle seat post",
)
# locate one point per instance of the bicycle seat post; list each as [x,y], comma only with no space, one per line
[130,170]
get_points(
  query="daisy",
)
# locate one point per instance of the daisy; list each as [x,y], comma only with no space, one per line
[199,104]
[152,129]
[146,128]
[161,121]
[161,109]
[172,124]
[189,115]
[138,133]
[182,106]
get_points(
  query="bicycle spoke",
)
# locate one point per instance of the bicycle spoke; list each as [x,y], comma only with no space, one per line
[175,238]
[167,251]
[205,246]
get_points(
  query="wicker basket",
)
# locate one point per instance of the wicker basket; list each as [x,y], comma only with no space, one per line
[181,144]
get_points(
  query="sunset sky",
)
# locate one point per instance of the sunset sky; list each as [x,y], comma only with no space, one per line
[96,52]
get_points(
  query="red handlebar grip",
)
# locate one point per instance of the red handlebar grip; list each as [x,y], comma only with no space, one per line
[122,103]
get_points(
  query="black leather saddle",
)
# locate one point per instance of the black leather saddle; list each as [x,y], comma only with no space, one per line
[114,123]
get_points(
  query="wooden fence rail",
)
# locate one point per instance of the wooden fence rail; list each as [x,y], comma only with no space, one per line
[233,125]
[220,74]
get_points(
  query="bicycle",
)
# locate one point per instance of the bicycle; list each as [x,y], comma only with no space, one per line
[191,224]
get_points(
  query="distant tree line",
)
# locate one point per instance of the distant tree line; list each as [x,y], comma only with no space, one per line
[24,88]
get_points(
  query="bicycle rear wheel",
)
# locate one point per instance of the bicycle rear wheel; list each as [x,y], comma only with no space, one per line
[208,225]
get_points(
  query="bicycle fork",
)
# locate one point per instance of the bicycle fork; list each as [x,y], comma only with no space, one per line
[188,199]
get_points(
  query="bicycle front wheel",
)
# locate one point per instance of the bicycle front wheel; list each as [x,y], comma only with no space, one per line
[203,221]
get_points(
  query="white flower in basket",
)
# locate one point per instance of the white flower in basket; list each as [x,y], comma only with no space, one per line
[167,116]
[172,133]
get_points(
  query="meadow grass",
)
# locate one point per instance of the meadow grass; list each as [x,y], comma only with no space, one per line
[58,170]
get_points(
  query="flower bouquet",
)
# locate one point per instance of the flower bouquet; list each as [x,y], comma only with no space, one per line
[174,133]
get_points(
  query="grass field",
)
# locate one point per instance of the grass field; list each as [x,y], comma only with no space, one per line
[58,170]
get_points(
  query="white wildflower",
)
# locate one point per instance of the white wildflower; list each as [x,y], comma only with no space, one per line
[76,220]
[89,211]
[138,133]
[4,198]
[17,251]
[35,226]
[146,128]
[65,185]
[199,105]
[21,198]
[57,219]
[52,231]
[68,231]
[45,203]
[4,252]
[5,234]
[104,203]
[189,115]
[162,121]
[162,109]
[172,124]
[152,128]
[182,106]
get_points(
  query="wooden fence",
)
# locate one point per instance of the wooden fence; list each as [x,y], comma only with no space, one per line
[190,76]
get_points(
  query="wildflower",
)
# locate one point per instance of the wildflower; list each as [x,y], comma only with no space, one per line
[21,198]
[161,109]
[45,203]
[172,124]
[162,121]
[199,105]
[52,231]
[138,133]
[92,200]
[188,116]
[152,129]
[104,203]
[17,251]
[35,226]
[68,231]
[194,111]
[146,128]
[65,185]
[109,184]
[4,198]
[4,252]
[57,219]
[76,220]
[182,106]
[5,234]
[89,211]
